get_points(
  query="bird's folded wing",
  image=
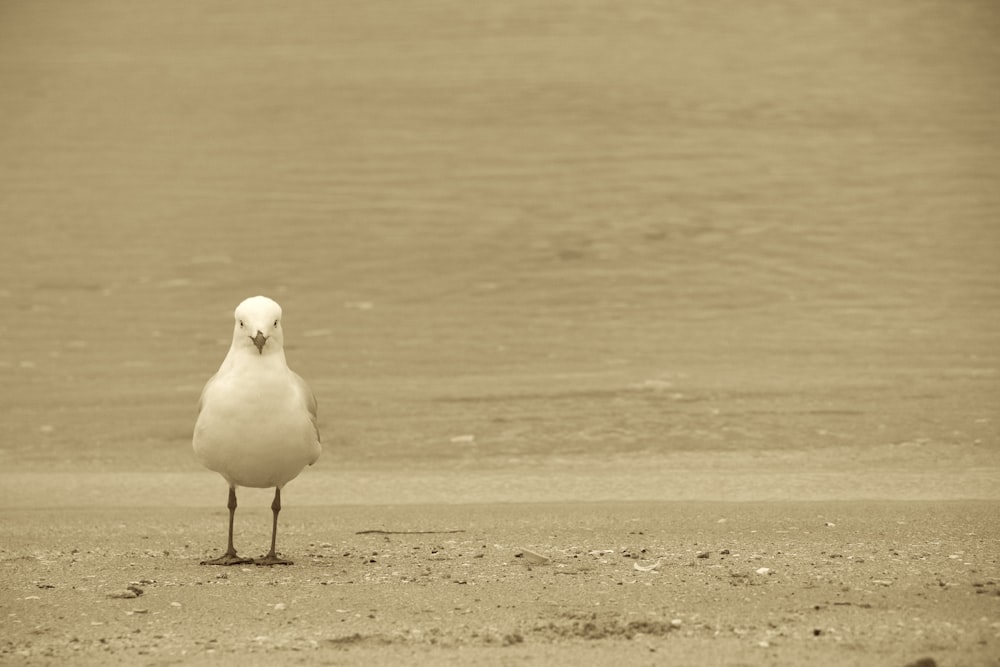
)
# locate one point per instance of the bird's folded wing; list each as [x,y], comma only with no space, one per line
[201,399]
[310,399]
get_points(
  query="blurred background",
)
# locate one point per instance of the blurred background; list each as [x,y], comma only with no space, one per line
[508,235]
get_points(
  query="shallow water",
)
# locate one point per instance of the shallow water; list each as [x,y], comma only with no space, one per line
[507,233]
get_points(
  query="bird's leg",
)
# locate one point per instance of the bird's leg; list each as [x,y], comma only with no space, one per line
[230,557]
[272,558]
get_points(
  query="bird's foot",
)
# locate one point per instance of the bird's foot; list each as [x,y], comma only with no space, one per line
[228,558]
[271,559]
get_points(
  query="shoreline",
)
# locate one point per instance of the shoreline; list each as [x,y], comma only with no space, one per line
[537,484]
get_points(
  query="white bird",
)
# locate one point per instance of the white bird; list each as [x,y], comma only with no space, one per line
[257,418]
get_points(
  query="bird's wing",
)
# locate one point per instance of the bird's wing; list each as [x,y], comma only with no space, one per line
[201,399]
[310,399]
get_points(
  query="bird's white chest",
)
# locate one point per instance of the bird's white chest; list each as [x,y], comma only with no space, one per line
[248,397]
[253,428]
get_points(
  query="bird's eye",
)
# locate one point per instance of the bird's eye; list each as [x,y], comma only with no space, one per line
[241,324]
[276,323]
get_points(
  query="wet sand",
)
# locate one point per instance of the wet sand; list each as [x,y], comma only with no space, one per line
[583,279]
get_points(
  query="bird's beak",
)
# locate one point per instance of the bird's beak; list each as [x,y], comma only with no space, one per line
[259,341]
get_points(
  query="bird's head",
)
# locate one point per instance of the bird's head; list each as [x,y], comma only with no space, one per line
[258,326]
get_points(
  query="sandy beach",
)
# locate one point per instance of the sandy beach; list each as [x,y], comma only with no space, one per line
[642,332]
[785,583]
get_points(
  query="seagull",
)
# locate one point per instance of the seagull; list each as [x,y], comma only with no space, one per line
[256,418]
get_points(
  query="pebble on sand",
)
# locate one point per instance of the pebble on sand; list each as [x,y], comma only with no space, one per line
[123,595]
[533,558]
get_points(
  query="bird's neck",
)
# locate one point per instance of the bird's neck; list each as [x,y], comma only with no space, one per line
[244,358]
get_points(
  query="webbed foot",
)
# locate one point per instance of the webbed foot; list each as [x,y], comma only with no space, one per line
[271,559]
[228,558]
